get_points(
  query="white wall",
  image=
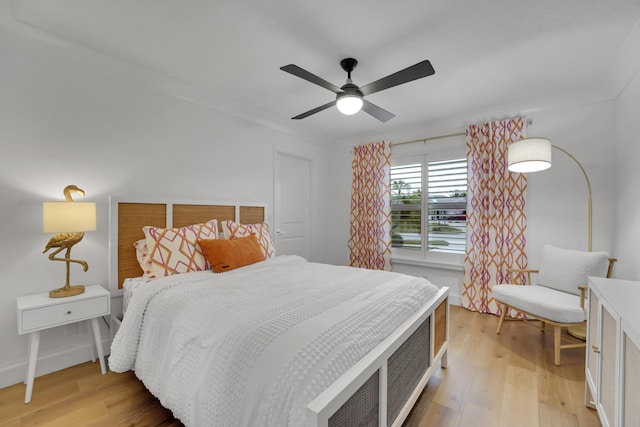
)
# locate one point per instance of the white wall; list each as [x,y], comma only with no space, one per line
[628,173]
[557,200]
[68,116]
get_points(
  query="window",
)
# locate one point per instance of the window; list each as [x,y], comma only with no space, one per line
[429,204]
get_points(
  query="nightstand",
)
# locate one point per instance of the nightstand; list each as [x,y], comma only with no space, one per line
[38,312]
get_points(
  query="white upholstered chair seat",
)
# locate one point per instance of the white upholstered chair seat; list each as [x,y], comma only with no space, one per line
[556,297]
[544,302]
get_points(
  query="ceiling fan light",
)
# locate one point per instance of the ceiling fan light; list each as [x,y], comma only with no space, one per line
[349,104]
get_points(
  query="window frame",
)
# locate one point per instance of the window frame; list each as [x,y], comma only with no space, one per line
[433,151]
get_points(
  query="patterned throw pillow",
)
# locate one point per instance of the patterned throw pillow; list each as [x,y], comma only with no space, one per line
[142,254]
[175,250]
[233,230]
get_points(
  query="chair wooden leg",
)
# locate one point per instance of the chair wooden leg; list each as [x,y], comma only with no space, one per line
[557,330]
[502,316]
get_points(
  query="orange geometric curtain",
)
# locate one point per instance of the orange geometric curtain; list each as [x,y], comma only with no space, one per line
[496,219]
[370,234]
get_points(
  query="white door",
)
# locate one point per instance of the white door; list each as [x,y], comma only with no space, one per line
[292,206]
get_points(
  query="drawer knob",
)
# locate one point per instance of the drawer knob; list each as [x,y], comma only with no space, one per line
[69,312]
[595,349]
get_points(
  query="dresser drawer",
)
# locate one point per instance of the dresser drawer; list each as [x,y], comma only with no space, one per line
[63,313]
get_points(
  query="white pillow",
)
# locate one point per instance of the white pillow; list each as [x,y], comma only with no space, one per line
[566,269]
[142,254]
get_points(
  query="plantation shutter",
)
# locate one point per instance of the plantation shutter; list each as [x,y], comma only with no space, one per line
[447,205]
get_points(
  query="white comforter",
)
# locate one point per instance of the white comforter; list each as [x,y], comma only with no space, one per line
[255,345]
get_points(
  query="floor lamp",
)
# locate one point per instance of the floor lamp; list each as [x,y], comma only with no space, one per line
[534,155]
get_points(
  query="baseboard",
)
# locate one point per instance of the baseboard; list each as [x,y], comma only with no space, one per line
[52,362]
[454,300]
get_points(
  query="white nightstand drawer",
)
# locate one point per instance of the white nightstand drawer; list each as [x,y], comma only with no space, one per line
[63,313]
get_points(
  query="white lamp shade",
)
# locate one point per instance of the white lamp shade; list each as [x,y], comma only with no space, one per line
[529,155]
[349,104]
[68,217]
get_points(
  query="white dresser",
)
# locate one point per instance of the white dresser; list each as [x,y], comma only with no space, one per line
[613,351]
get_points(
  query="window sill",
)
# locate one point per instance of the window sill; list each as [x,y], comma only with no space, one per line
[425,263]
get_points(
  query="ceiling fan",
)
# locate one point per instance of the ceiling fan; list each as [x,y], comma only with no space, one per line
[350,97]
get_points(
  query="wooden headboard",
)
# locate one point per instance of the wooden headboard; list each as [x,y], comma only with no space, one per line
[126,219]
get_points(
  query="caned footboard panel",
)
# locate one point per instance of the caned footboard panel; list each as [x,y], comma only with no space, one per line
[362,408]
[405,368]
[381,389]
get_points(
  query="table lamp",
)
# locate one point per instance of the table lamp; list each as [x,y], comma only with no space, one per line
[70,219]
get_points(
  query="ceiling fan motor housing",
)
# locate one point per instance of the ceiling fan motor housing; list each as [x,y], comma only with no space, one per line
[349,90]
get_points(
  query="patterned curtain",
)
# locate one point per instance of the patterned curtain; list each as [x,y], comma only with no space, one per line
[370,234]
[496,218]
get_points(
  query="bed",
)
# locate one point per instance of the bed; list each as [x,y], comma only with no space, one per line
[282,341]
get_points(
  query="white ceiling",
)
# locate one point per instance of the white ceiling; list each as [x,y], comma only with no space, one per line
[228,53]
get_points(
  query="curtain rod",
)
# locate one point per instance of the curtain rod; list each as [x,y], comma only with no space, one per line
[529,122]
[449,135]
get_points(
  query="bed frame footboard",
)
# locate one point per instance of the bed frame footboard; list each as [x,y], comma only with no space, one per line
[381,389]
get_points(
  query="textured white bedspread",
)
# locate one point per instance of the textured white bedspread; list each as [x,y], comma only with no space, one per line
[255,345]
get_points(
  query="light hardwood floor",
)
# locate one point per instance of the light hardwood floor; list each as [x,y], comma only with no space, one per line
[492,380]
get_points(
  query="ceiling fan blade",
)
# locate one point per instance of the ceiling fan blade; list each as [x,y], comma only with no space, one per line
[315,110]
[377,112]
[304,74]
[417,71]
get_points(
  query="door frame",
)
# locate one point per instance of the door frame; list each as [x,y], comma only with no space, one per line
[310,191]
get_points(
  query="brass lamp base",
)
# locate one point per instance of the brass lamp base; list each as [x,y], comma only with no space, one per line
[579,331]
[66,291]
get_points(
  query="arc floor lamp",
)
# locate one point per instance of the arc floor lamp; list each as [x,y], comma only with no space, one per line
[534,155]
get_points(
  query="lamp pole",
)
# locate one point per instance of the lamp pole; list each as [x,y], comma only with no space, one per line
[580,331]
[532,155]
[586,177]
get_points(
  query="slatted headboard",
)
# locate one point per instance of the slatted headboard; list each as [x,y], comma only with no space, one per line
[126,219]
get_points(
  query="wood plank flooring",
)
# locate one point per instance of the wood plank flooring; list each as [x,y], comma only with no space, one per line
[503,380]
[492,380]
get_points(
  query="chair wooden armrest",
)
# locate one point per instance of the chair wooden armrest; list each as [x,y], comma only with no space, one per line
[610,269]
[520,271]
[583,288]
[583,294]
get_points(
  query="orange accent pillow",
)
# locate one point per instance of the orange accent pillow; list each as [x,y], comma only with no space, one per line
[225,255]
